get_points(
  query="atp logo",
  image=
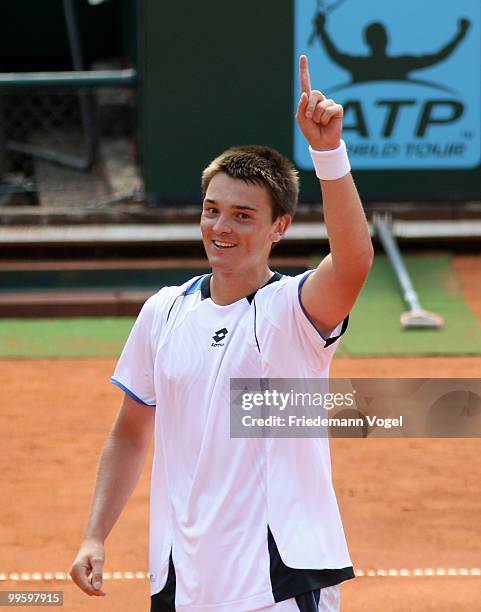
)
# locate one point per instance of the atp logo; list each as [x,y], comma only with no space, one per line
[219,336]
[408,75]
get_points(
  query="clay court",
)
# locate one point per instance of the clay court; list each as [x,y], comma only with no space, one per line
[411,507]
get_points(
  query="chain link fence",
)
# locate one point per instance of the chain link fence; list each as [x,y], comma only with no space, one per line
[66,147]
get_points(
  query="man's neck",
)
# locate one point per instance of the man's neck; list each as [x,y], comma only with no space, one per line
[227,288]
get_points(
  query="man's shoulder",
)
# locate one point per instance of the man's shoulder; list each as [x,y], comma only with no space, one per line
[281,297]
[285,281]
[166,296]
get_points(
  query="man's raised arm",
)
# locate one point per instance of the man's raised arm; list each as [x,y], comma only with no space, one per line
[331,291]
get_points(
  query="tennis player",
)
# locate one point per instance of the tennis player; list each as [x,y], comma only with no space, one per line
[238,524]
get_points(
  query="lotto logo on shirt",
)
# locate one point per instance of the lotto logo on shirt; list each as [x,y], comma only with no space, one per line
[407,73]
[219,336]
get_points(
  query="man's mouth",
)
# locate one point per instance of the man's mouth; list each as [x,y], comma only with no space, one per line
[220,244]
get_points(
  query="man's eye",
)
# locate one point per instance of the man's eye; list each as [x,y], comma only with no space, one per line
[243,216]
[210,211]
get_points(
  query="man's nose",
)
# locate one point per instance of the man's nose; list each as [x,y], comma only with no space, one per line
[222,225]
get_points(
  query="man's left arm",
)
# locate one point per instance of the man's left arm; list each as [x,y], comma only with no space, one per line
[331,290]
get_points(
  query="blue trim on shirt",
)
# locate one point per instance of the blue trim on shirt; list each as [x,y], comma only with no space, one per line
[194,286]
[331,339]
[301,283]
[130,393]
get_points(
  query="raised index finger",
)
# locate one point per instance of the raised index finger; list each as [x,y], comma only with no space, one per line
[304,75]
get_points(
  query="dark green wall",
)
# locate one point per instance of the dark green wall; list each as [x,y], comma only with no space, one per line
[33,34]
[218,74]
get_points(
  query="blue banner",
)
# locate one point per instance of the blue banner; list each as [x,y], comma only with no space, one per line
[407,73]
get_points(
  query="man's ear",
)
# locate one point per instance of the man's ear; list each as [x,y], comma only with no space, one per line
[281,226]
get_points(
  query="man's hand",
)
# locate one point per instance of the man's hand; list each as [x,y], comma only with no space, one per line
[320,119]
[86,570]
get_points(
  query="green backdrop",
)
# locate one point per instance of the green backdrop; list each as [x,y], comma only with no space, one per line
[33,35]
[218,74]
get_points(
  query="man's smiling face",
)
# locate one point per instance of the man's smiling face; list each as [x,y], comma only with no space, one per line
[236,224]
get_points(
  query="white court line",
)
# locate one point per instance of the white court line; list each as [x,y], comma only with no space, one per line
[418,572]
[391,573]
[63,576]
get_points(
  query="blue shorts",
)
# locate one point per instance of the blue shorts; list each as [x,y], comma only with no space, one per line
[320,600]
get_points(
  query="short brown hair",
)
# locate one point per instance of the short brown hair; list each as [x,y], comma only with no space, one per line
[263,166]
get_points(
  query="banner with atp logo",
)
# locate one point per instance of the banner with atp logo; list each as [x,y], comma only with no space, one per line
[407,73]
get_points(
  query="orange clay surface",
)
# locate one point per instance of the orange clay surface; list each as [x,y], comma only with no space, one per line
[405,503]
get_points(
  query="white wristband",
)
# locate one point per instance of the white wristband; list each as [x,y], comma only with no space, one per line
[331,165]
